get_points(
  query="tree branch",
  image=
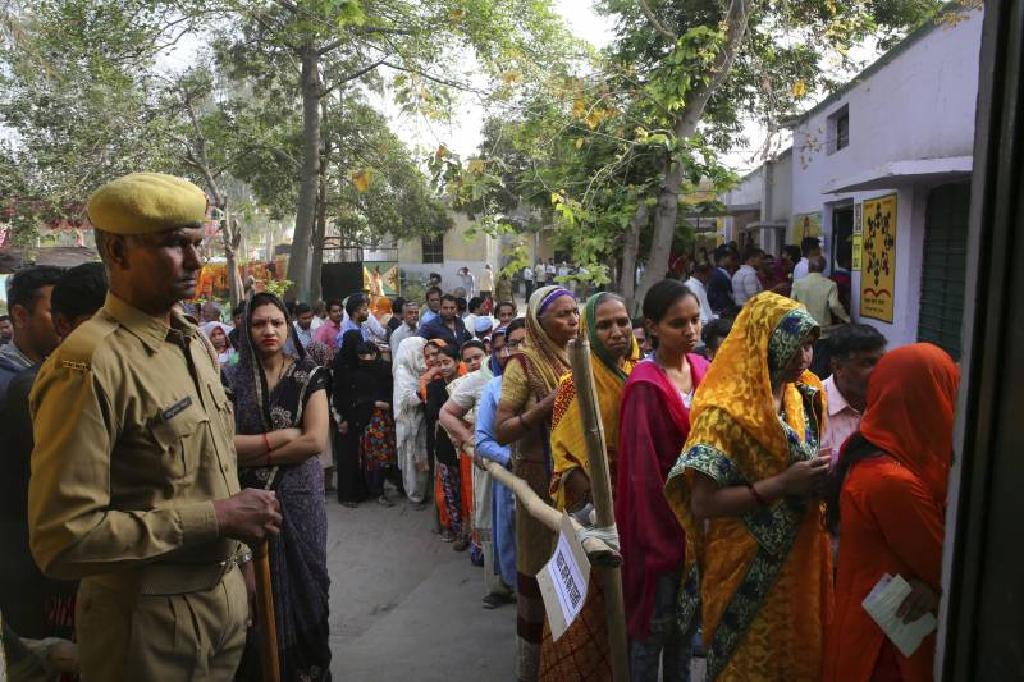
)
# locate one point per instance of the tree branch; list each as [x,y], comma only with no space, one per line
[350,77]
[649,13]
[736,29]
[436,79]
[199,159]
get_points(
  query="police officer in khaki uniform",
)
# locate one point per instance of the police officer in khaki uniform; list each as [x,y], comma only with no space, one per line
[134,486]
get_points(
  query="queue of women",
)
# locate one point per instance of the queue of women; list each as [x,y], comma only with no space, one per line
[726,507]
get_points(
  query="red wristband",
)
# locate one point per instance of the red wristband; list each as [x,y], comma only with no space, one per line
[266,443]
[757,496]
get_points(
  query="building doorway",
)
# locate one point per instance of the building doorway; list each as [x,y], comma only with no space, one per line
[842,237]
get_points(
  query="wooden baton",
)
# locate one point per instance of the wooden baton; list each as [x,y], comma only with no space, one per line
[267,620]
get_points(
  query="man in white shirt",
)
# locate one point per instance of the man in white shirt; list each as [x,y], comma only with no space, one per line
[745,283]
[486,282]
[697,283]
[319,315]
[468,281]
[856,349]
[410,321]
[809,246]
[550,271]
[303,324]
[563,269]
[539,274]
[528,278]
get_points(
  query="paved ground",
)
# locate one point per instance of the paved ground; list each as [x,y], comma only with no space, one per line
[404,606]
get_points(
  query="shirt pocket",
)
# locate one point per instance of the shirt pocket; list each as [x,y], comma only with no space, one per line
[181,439]
[225,410]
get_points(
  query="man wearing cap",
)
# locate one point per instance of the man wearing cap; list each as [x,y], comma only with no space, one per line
[134,487]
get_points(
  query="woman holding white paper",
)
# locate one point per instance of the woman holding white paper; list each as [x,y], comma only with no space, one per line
[889,492]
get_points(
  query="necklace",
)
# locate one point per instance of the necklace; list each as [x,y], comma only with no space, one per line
[280,373]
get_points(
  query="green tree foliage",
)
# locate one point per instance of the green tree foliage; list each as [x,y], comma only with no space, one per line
[274,90]
[619,145]
[78,108]
[420,47]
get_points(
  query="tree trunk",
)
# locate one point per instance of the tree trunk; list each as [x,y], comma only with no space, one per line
[232,238]
[320,228]
[627,278]
[667,212]
[299,261]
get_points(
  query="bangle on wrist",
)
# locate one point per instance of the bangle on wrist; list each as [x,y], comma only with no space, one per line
[266,444]
[757,496]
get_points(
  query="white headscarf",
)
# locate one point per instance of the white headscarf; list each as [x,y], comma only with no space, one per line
[410,422]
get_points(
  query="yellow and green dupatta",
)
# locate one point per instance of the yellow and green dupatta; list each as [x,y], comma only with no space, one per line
[763,581]
[568,441]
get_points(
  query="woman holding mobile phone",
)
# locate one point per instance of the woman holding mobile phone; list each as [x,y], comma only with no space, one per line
[746,490]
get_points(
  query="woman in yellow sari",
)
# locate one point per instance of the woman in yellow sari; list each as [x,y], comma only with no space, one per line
[582,652]
[745,489]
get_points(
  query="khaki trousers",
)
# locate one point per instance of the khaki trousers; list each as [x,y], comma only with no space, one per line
[193,637]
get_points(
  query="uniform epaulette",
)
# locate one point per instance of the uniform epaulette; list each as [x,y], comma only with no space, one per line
[76,351]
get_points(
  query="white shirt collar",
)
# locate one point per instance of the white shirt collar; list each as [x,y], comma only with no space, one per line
[836,401]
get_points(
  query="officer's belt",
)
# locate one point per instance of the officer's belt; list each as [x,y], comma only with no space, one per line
[167,578]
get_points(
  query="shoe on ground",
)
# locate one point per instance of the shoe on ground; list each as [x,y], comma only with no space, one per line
[496,599]
[461,546]
[384,501]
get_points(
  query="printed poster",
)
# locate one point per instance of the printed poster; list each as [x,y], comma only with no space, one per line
[564,579]
[878,259]
[806,225]
[856,239]
[382,278]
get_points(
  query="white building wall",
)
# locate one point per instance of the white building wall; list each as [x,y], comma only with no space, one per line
[920,105]
[782,189]
[748,192]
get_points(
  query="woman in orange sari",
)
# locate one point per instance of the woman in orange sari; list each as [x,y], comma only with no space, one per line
[758,559]
[890,494]
[582,652]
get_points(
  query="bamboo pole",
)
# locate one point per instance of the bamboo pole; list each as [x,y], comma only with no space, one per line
[601,491]
[599,553]
[267,621]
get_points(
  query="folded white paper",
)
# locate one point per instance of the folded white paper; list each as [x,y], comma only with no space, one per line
[882,603]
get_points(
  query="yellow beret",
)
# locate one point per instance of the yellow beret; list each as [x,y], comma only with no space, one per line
[143,203]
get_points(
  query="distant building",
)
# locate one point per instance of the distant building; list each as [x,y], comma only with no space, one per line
[880,171]
[463,246]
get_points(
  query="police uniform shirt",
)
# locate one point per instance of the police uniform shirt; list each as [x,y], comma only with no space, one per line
[134,439]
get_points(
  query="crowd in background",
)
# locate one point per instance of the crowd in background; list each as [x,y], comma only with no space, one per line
[741,398]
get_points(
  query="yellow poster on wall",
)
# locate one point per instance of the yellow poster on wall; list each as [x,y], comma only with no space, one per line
[878,259]
[856,247]
[806,225]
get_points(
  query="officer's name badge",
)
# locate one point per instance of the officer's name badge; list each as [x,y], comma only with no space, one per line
[76,366]
[176,409]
